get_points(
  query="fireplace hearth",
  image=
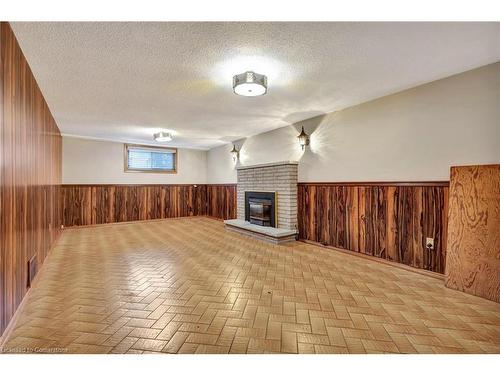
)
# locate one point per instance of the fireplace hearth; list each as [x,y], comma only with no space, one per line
[260,208]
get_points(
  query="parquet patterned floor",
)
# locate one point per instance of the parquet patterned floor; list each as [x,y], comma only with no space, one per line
[189,286]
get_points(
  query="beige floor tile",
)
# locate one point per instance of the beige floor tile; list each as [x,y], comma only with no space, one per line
[188,286]
[145,333]
[289,342]
[92,338]
[239,345]
[149,344]
[175,343]
[212,349]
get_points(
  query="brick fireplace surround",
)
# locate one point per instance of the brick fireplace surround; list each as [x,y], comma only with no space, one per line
[280,177]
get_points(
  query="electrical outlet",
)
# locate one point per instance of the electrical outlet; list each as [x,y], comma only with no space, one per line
[429,243]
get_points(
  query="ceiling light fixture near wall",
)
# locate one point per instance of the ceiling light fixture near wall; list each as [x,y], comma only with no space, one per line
[250,84]
[303,139]
[162,137]
[234,152]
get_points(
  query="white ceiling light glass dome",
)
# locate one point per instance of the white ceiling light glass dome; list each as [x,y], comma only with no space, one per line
[162,137]
[250,84]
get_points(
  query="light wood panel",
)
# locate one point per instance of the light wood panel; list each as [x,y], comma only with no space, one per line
[100,204]
[30,155]
[379,219]
[473,258]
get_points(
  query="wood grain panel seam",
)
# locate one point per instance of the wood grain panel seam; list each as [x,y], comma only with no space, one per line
[30,147]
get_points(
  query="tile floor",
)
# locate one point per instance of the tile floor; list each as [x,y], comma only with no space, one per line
[189,286]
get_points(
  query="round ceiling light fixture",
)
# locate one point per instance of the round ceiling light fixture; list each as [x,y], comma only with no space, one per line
[250,84]
[162,137]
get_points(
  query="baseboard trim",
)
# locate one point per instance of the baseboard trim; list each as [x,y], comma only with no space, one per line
[8,330]
[435,275]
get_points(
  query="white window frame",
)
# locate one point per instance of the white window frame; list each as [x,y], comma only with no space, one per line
[170,150]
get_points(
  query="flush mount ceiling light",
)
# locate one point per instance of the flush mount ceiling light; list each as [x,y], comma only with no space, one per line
[250,84]
[162,137]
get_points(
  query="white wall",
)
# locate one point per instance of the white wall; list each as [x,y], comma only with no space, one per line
[220,165]
[414,135]
[98,162]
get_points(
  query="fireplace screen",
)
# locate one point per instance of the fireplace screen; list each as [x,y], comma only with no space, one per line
[260,212]
[260,208]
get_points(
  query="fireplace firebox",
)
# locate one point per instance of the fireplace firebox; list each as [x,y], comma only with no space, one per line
[260,208]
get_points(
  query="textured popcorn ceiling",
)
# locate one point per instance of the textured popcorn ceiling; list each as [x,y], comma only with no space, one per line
[124,81]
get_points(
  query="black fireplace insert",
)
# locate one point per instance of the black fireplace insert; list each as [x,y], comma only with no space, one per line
[260,208]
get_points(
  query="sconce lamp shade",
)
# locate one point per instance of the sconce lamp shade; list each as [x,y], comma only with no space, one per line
[234,152]
[303,139]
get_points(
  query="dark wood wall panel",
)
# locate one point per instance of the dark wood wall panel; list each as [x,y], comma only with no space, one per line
[390,221]
[473,257]
[221,201]
[80,201]
[372,212]
[101,204]
[30,176]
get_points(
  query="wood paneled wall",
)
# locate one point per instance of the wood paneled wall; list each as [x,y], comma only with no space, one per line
[30,176]
[221,201]
[473,257]
[389,220]
[100,204]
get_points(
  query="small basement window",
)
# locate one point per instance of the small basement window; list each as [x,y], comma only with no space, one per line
[150,159]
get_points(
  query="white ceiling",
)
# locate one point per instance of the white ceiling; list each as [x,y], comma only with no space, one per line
[124,81]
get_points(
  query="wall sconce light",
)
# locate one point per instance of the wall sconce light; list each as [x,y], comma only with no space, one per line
[303,139]
[234,152]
